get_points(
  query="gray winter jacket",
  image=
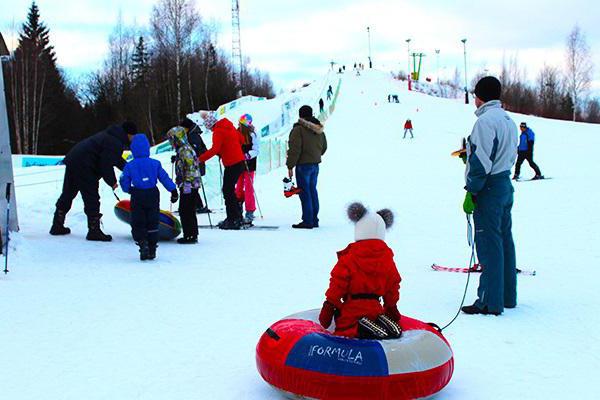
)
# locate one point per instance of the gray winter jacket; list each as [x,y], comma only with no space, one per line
[492,147]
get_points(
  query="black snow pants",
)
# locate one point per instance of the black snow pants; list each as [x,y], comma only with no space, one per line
[230,178]
[145,214]
[187,212]
[84,182]
[526,155]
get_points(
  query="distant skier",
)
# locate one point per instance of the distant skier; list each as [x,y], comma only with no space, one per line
[86,163]
[491,154]
[408,127]
[321,105]
[244,189]
[364,275]
[329,92]
[525,152]
[227,143]
[307,143]
[139,178]
[187,172]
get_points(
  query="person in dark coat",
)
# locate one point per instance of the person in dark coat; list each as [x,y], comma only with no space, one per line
[321,105]
[307,143]
[86,163]
[139,179]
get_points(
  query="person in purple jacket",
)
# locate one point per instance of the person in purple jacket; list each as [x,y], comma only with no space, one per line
[139,179]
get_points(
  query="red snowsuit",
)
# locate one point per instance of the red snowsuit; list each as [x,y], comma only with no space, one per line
[227,143]
[408,125]
[364,267]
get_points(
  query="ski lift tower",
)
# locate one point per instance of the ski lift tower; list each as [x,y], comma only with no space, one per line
[238,66]
[6,171]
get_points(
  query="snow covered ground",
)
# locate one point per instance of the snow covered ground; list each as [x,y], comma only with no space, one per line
[84,320]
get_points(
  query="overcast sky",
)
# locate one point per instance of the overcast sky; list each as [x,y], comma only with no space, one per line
[295,40]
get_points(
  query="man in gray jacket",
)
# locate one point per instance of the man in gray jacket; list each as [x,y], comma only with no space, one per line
[491,154]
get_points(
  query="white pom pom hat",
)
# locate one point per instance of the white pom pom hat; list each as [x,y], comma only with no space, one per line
[369,225]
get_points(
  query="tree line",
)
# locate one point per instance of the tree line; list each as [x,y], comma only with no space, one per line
[153,76]
[558,94]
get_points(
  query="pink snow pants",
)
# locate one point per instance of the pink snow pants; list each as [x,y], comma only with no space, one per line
[244,190]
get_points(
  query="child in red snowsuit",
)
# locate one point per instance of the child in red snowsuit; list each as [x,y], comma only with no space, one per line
[364,274]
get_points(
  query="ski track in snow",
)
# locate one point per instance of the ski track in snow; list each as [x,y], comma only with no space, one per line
[89,321]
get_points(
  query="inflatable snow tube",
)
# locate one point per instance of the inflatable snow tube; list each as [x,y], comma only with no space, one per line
[169,226]
[300,358]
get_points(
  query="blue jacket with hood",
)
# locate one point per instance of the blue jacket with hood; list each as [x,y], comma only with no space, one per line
[143,172]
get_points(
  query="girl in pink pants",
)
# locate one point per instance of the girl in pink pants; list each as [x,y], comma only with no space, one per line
[244,189]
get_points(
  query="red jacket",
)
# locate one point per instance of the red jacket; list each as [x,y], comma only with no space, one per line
[227,143]
[408,125]
[364,267]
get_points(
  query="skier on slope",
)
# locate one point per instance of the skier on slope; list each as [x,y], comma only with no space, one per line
[244,189]
[364,274]
[408,127]
[227,143]
[525,152]
[86,163]
[491,153]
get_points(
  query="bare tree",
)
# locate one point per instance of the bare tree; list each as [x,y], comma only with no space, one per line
[174,23]
[579,67]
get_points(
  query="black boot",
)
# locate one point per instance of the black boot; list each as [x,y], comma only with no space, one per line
[368,329]
[144,250]
[390,326]
[58,224]
[152,250]
[94,232]
[188,240]
[230,224]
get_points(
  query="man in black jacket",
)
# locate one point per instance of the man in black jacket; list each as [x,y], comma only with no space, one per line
[89,161]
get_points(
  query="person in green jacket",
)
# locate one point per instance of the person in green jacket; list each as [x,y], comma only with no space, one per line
[307,143]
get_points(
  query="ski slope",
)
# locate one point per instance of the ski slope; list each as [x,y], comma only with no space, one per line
[86,320]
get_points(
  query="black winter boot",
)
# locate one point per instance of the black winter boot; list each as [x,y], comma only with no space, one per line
[390,326]
[58,224]
[144,250]
[94,232]
[152,250]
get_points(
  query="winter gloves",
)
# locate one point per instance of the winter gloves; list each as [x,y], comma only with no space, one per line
[174,196]
[469,203]
[393,313]
[327,313]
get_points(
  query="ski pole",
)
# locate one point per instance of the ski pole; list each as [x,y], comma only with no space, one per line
[116,197]
[172,173]
[221,173]
[7,224]
[206,202]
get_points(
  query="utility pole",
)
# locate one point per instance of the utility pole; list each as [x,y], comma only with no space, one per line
[238,65]
[369,39]
[437,62]
[464,42]
[408,69]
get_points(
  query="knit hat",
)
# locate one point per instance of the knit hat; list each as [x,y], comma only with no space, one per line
[210,118]
[488,88]
[246,120]
[129,127]
[187,123]
[369,225]
[305,112]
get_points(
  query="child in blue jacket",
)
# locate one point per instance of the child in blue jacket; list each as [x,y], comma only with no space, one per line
[139,178]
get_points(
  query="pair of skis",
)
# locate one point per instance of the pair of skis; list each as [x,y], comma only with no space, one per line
[476,268]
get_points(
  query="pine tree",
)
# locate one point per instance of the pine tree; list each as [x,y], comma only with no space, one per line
[39,95]
[141,63]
